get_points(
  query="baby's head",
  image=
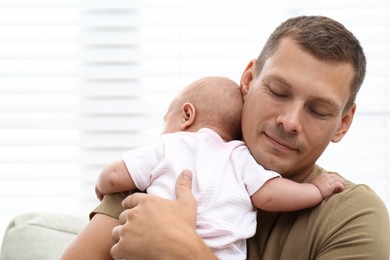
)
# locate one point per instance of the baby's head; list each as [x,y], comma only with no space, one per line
[212,102]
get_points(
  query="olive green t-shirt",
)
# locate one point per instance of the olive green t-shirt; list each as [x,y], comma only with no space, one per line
[353,224]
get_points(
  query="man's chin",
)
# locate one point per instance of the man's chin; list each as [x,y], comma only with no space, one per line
[274,164]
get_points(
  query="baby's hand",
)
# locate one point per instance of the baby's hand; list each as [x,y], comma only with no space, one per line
[99,194]
[328,184]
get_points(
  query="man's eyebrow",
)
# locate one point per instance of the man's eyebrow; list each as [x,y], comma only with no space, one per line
[277,78]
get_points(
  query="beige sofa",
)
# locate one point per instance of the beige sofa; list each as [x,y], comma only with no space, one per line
[39,236]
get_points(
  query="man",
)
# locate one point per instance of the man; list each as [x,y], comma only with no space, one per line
[299,95]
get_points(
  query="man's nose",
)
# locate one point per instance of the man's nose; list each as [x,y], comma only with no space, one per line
[291,118]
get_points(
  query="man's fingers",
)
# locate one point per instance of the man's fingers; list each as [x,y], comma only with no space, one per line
[183,191]
[184,186]
[133,200]
[145,213]
[116,233]
[115,252]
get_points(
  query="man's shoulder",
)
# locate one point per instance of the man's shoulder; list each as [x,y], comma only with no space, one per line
[356,214]
[352,192]
[357,198]
[354,199]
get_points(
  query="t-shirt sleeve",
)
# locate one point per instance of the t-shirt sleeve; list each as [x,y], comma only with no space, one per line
[141,162]
[110,205]
[358,228]
[253,174]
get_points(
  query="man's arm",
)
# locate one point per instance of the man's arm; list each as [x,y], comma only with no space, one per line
[94,241]
[279,194]
[158,228]
[114,178]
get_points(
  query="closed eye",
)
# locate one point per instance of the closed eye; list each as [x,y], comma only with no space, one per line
[319,114]
[278,94]
[323,111]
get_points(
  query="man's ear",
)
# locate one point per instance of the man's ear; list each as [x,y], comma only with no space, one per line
[188,115]
[346,122]
[247,77]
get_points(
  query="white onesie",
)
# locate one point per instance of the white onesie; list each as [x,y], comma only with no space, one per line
[224,176]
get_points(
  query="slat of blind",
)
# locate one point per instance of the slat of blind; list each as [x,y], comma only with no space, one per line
[73,104]
[72,121]
[71,137]
[38,171]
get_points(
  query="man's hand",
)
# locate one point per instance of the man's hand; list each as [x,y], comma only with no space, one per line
[156,228]
[328,184]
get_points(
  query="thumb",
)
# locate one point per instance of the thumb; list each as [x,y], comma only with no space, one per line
[185,198]
[184,186]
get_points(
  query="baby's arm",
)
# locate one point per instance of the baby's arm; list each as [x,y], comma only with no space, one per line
[279,194]
[114,178]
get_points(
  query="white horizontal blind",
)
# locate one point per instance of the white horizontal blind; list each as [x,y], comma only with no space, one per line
[82,81]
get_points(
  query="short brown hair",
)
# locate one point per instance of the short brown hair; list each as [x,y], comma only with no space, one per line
[324,38]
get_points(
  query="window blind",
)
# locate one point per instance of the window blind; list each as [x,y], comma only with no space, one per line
[83,81]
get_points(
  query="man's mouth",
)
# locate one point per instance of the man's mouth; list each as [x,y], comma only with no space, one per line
[280,143]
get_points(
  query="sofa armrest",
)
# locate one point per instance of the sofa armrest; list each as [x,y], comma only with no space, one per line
[40,236]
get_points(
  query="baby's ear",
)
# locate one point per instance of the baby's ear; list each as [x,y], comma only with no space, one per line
[188,115]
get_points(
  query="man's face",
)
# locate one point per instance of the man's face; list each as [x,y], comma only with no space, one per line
[294,108]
